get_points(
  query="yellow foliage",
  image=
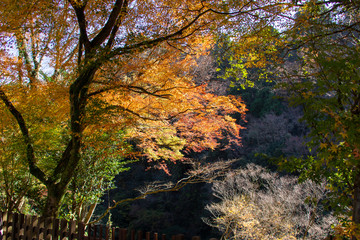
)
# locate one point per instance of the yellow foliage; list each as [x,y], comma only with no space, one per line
[347,229]
[242,219]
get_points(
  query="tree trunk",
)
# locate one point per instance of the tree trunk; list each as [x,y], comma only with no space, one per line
[356,202]
[53,201]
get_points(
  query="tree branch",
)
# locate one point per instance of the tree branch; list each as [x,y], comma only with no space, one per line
[30,156]
[135,89]
[117,24]
[79,10]
[63,162]
[109,25]
[151,43]
[198,174]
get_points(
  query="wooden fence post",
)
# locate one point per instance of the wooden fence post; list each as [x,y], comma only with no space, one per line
[33,229]
[100,231]
[21,226]
[113,233]
[123,233]
[28,228]
[81,231]
[95,232]
[132,235]
[139,236]
[55,228]
[1,225]
[8,225]
[72,230]
[63,227]
[48,228]
[107,231]
[89,231]
[37,222]
[13,225]
[180,237]
[119,234]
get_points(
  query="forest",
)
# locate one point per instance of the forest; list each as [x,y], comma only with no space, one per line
[233,119]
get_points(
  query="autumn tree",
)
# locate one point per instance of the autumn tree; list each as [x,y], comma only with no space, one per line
[329,94]
[325,83]
[76,68]
[313,51]
[316,48]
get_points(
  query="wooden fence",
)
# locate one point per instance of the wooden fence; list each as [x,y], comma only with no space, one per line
[19,226]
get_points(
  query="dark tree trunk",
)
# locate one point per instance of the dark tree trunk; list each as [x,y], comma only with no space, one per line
[356,202]
[53,201]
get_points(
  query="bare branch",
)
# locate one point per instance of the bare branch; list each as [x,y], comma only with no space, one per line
[259,203]
[198,174]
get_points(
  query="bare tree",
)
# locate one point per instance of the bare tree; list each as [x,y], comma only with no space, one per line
[259,204]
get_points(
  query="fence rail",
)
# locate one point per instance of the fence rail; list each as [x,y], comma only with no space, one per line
[19,226]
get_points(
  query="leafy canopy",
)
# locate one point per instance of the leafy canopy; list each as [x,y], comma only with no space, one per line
[75,70]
